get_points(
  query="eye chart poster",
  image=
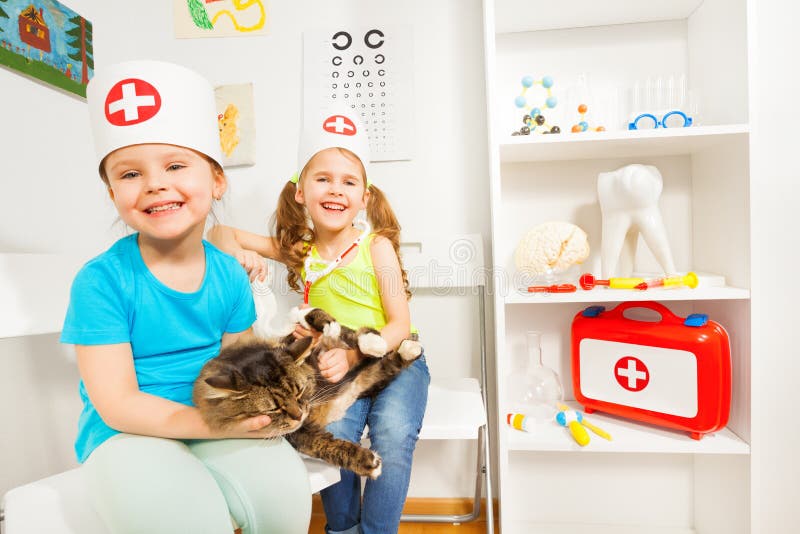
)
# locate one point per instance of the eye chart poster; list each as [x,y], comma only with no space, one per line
[368,69]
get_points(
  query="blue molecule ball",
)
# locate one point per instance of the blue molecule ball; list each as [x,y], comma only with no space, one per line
[551,101]
[584,125]
[536,111]
[520,101]
[547,82]
[527,81]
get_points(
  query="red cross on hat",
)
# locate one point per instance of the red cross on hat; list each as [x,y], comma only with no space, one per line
[339,124]
[131,101]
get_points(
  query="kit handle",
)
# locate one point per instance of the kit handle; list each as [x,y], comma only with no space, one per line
[666,315]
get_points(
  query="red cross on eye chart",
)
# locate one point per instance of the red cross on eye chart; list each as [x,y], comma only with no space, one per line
[339,124]
[131,101]
[631,373]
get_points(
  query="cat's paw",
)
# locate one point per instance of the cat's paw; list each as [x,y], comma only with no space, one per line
[298,315]
[332,330]
[372,344]
[410,349]
[373,466]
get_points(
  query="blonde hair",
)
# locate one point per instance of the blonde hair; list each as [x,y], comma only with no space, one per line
[295,236]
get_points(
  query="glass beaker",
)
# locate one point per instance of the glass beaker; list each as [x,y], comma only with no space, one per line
[537,391]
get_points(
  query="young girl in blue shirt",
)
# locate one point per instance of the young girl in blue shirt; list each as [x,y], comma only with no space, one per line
[352,270]
[148,313]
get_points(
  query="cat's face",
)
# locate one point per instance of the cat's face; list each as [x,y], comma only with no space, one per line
[256,379]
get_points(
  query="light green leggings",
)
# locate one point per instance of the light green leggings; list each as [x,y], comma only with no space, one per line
[149,485]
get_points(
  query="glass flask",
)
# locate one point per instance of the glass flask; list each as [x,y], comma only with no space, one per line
[536,390]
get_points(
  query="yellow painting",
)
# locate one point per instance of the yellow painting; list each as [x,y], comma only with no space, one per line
[219,18]
[237,129]
[229,129]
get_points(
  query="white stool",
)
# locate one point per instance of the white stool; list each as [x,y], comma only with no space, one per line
[456,407]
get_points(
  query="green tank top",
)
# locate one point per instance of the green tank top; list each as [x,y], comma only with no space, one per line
[350,293]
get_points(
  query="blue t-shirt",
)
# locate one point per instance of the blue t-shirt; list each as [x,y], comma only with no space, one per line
[116,299]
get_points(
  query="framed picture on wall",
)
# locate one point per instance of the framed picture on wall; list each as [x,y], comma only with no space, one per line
[219,18]
[47,41]
[237,126]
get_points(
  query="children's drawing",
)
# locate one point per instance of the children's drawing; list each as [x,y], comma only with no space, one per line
[237,128]
[48,41]
[219,18]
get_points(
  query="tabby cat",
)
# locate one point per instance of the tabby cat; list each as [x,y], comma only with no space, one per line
[280,378]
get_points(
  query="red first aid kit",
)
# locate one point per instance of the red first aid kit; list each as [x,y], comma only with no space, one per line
[675,372]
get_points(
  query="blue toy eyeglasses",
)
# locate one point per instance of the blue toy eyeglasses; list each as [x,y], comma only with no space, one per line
[648,117]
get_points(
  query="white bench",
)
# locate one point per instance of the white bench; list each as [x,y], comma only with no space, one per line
[456,410]
[60,505]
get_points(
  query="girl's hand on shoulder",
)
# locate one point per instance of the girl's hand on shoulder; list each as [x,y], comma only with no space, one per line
[253,263]
[334,364]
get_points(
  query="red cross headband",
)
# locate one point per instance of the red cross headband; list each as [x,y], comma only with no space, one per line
[333,128]
[138,102]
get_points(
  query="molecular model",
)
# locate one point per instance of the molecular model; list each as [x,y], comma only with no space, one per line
[533,118]
[582,126]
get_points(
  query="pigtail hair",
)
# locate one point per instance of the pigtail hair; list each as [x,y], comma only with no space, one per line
[384,223]
[292,232]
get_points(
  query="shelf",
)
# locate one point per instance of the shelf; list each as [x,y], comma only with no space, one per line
[628,437]
[601,294]
[524,15]
[584,528]
[34,292]
[617,144]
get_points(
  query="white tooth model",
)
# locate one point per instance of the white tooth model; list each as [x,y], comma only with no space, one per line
[629,204]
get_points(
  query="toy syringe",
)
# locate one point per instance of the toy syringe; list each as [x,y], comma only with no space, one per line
[587,282]
[687,280]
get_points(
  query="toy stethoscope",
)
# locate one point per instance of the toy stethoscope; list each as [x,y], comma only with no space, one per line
[687,121]
[328,266]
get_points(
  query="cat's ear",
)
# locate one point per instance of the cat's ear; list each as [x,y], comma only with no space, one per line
[300,349]
[226,384]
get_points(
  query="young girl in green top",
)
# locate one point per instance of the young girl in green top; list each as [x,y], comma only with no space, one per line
[352,270]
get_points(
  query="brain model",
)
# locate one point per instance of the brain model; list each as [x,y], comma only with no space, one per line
[551,247]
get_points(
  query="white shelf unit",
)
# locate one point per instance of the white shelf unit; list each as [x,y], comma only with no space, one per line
[648,479]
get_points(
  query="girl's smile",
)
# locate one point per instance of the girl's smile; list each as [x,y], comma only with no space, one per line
[163,208]
[333,206]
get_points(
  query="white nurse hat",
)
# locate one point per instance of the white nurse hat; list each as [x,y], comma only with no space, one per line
[138,102]
[334,127]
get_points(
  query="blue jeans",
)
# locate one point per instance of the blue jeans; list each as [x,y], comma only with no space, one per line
[394,417]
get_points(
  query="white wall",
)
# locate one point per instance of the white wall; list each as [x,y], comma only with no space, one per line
[53,193]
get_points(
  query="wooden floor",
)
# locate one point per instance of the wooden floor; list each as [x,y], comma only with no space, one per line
[421,506]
